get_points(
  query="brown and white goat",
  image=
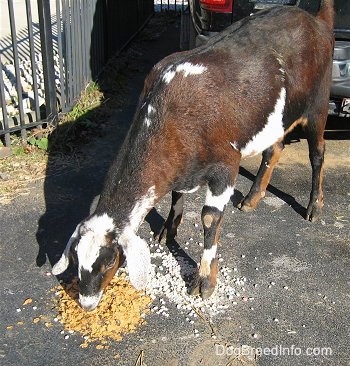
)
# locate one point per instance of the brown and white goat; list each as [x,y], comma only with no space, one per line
[200,112]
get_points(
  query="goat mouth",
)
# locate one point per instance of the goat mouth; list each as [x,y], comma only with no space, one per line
[89,303]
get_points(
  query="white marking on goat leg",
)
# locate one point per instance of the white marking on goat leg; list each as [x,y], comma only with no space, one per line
[219,201]
[272,131]
[92,239]
[207,257]
[178,208]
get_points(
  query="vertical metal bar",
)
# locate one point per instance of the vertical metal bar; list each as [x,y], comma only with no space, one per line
[77,43]
[82,37]
[48,60]
[67,29]
[32,60]
[75,71]
[87,38]
[4,111]
[60,54]
[17,71]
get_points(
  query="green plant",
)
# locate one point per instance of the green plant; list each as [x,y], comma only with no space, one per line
[41,143]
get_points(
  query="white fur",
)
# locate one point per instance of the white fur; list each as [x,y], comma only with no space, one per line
[272,131]
[150,109]
[141,208]
[187,68]
[169,75]
[147,121]
[190,190]
[219,201]
[207,257]
[178,208]
[90,302]
[191,69]
[90,243]
[234,145]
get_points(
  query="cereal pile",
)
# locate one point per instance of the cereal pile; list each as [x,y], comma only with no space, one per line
[172,272]
[121,310]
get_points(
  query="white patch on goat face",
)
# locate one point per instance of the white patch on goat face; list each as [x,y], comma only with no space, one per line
[272,131]
[219,201]
[92,239]
[187,68]
[90,302]
[207,257]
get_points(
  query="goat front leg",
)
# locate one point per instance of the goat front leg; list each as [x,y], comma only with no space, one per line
[269,160]
[169,228]
[212,213]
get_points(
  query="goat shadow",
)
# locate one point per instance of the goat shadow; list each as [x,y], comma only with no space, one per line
[75,176]
[188,266]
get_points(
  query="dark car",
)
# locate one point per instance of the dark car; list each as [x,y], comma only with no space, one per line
[204,18]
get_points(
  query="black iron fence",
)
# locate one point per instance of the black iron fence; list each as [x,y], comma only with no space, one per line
[51,49]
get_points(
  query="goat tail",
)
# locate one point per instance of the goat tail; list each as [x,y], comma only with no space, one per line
[326,12]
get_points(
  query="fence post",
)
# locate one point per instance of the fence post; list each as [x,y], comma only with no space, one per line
[48,60]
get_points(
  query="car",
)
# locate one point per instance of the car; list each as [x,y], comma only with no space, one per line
[204,18]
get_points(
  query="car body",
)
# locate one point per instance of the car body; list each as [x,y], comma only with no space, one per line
[204,18]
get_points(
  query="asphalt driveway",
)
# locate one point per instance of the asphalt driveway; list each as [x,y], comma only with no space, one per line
[290,303]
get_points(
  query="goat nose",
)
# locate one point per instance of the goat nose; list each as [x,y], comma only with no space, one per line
[89,303]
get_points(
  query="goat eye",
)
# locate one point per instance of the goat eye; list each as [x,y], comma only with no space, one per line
[111,263]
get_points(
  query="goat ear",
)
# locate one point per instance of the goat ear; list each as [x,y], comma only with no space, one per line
[94,204]
[138,260]
[63,262]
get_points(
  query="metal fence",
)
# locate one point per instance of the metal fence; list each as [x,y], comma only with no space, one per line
[51,49]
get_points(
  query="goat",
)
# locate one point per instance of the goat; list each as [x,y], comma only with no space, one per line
[199,113]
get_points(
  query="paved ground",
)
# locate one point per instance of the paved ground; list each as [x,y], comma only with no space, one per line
[296,298]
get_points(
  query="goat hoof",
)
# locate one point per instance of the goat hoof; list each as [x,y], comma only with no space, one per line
[313,213]
[201,286]
[245,207]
